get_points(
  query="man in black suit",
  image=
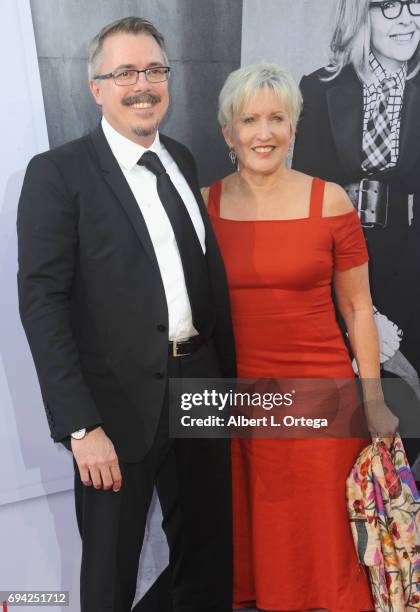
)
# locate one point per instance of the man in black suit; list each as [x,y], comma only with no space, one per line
[122,287]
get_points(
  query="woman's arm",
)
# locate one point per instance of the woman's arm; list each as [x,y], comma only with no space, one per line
[354,302]
[355,305]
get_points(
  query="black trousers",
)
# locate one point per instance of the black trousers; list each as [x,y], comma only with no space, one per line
[193,482]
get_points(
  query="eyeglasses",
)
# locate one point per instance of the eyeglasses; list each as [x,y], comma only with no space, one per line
[157,74]
[391,9]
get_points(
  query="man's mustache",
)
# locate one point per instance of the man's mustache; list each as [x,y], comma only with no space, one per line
[138,98]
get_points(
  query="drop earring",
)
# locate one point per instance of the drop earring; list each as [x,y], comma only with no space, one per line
[232,156]
[289,157]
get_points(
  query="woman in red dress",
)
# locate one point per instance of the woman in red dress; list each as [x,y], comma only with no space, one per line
[286,238]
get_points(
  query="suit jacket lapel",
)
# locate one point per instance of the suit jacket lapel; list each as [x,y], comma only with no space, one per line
[410,125]
[115,178]
[188,172]
[345,107]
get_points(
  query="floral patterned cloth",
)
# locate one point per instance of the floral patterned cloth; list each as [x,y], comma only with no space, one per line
[384,510]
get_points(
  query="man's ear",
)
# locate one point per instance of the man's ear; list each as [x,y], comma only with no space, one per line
[96,91]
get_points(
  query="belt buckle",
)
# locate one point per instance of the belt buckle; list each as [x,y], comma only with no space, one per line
[360,210]
[365,188]
[175,349]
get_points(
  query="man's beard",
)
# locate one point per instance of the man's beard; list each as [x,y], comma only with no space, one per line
[145,97]
[144,132]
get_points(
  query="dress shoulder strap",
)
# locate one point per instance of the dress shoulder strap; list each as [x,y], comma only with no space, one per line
[213,205]
[317,197]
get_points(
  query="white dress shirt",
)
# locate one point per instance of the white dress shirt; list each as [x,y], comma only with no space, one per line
[143,185]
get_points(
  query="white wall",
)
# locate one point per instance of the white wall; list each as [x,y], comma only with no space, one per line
[36,522]
[39,541]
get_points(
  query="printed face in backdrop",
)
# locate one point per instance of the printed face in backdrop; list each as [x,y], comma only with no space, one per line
[261,133]
[135,111]
[394,41]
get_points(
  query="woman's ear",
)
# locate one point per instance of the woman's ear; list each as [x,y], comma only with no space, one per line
[292,132]
[226,131]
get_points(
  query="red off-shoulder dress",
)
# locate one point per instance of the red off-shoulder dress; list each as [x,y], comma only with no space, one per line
[293,548]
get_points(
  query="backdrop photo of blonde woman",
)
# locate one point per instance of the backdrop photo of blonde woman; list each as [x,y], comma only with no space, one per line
[360,128]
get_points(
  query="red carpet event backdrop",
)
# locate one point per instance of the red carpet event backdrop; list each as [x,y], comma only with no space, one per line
[48,103]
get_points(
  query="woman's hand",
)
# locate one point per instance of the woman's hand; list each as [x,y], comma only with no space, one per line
[381,421]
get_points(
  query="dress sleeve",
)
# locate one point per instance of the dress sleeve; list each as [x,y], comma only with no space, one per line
[349,242]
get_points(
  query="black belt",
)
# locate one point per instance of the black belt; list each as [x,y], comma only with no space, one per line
[372,201]
[180,348]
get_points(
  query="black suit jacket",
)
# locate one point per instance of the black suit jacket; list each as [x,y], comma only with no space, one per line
[91,296]
[329,145]
[329,135]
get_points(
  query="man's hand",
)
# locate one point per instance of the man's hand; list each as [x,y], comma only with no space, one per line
[97,460]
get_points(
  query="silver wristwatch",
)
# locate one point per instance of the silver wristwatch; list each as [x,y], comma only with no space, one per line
[79,434]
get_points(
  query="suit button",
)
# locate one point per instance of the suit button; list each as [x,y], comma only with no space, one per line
[161,327]
[159,375]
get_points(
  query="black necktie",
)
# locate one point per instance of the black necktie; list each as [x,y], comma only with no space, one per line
[192,257]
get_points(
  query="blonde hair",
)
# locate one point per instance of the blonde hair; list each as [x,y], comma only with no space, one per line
[351,40]
[242,85]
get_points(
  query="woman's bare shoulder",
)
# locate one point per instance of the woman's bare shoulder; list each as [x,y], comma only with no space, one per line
[300,179]
[205,193]
[226,183]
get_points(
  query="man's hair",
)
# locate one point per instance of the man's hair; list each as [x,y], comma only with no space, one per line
[126,25]
[351,40]
[243,84]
